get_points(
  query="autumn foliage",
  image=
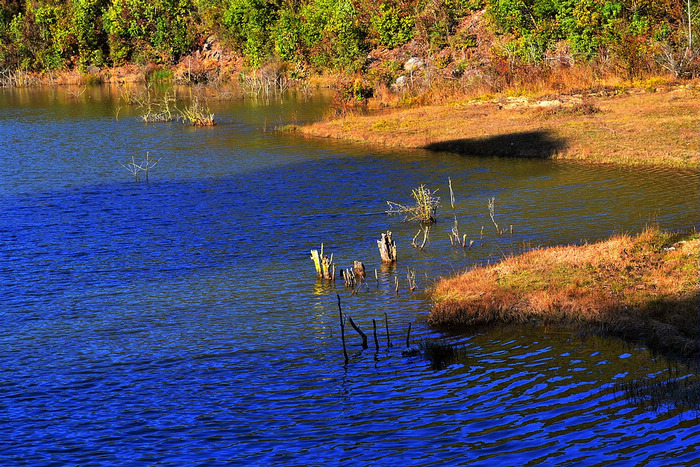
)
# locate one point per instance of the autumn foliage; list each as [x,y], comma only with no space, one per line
[629,37]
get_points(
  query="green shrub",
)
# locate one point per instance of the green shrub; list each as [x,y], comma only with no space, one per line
[587,25]
[157,30]
[393,26]
[332,37]
[248,22]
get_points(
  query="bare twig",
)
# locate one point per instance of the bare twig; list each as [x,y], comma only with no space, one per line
[492,213]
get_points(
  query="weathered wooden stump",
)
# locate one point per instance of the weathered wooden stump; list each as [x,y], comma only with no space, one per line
[349,278]
[387,248]
[359,268]
[324,265]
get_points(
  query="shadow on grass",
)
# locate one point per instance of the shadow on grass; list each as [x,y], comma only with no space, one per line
[529,144]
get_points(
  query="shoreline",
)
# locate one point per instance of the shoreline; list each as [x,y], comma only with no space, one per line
[653,127]
[642,289]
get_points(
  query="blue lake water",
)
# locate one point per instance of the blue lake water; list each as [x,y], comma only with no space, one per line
[180,321]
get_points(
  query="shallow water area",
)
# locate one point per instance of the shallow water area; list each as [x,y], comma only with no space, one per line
[180,321]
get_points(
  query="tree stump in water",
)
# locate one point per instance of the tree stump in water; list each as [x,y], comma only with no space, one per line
[387,248]
[349,277]
[324,265]
[359,268]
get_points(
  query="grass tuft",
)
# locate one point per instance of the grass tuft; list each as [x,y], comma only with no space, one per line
[441,354]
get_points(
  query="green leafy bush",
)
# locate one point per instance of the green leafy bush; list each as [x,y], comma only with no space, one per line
[248,23]
[142,30]
[332,37]
[286,34]
[393,26]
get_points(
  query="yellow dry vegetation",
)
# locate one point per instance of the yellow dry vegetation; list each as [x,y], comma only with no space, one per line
[629,127]
[641,288]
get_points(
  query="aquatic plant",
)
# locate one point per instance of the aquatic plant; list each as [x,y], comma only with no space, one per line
[492,214]
[679,389]
[454,235]
[266,81]
[411,277]
[197,114]
[440,353]
[424,210]
[164,112]
[156,108]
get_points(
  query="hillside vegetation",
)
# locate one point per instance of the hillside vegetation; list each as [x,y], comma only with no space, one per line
[459,41]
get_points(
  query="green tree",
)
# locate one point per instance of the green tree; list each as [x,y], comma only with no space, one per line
[332,36]
[159,30]
[248,23]
[393,26]
[89,32]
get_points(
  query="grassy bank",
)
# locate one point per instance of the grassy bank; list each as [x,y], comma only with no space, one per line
[651,127]
[642,289]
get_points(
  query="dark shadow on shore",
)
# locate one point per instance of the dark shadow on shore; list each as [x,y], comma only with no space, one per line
[529,144]
[667,326]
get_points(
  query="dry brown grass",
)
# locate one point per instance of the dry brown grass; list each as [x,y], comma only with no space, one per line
[652,126]
[642,288]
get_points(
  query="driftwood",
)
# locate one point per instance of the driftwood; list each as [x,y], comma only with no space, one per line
[387,248]
[354,276]
[349,278]
[426,232]
[324,265]
[355,327]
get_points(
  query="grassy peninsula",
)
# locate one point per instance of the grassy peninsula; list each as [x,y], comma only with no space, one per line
[641,288]
[654,125]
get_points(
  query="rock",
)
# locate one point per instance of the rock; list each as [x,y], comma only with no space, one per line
[401,81]
[413,64]
[554,103]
